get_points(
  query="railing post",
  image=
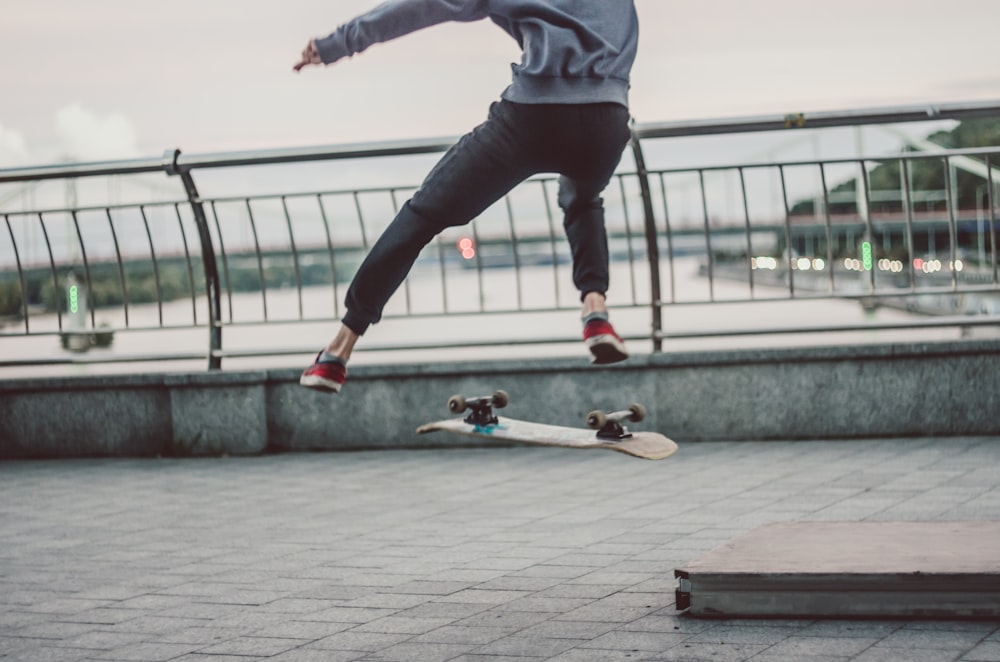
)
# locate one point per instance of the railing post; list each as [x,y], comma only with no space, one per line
[652,247]
[212,287]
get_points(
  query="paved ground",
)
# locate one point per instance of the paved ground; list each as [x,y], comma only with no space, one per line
[494,554]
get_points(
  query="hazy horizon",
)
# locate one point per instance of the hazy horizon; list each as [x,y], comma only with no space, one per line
[117,79]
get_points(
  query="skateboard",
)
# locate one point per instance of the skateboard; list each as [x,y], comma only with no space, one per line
[606,429]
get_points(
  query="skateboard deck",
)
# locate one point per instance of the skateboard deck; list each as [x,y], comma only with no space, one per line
[482,424]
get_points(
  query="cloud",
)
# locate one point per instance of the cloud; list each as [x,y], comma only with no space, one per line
[13,149]
[86,136]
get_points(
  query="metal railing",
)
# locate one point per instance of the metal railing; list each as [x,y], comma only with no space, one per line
[773,231]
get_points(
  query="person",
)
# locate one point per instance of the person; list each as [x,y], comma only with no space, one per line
[564,112]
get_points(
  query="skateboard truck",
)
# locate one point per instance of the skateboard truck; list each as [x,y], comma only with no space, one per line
[609,424]
[482,407]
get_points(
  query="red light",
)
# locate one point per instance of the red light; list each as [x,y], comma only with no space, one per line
[918,263]
[467,247]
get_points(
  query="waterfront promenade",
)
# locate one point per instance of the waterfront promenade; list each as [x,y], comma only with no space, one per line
[488,554]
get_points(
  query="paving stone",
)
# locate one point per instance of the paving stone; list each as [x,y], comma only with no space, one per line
[743,634]
[986,626]
[606,613]
[9,645]
[434,588]
[403,625]
[594,655]
[506,619]
[305,655]
[636,641]
[308,630]
[988,651]
[356,615]
[67,606]
[100,616]
[768,656]
[933,639]
[844,628]
[486,597]
[145,652]
[710,652]
[253,646]
[205,636]
[526,646]
[425,652]
[661,622]
[449,610]
[299,606]
[494,554]
[49,654]
[52,630]
[544,604]
[818,646]
[352,640]
[883,654]
[156,625]
[102,640]
[463,634]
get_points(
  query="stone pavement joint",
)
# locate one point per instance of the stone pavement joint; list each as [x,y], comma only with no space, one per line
[484,554]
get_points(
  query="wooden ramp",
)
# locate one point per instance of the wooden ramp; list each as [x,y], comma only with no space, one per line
[849,569]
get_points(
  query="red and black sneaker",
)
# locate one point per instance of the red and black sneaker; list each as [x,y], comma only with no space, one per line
[605,345]
[324,375]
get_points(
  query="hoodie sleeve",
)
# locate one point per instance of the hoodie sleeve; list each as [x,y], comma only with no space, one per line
[393,19]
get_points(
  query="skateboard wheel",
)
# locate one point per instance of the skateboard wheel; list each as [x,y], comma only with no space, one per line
[456,404]
[500,399]
[638,412]
[596,419]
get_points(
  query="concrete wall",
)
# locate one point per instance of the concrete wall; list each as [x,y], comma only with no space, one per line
[918,389]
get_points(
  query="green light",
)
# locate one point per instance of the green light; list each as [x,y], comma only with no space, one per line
[74,299]
[866,255]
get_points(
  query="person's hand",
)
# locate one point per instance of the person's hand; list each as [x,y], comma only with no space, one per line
[309,56]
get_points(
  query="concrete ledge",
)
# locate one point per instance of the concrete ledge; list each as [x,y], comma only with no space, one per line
[914,389]
[214,414]
[134,415]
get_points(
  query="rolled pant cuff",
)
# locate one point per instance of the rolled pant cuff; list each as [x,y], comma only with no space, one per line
[355,323]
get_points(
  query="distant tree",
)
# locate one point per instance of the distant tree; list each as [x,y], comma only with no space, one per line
[925,174]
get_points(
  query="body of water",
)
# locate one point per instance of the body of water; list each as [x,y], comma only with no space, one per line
[475,303]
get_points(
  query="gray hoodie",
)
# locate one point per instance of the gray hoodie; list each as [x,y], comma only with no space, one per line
[573,51]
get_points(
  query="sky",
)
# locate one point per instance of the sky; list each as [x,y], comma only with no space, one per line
[107,79]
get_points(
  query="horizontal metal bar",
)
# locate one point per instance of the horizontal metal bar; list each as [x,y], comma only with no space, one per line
[118,206]
[174,160]
[321,153]
[92,169]
[909,156]
[818,120]
[73,360]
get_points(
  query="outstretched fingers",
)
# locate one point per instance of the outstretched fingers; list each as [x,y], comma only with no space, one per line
[310,56]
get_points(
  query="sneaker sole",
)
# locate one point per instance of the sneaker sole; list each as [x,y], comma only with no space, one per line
[319,384]
[606,349]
